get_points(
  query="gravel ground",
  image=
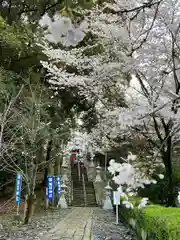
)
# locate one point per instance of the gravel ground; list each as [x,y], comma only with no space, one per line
[104,227]
[41,224]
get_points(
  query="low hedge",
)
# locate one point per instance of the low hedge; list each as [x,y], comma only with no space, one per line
[153,222]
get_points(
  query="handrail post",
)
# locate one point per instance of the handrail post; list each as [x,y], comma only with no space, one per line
[79,171]
[105,177]
[72,190]
[84,190]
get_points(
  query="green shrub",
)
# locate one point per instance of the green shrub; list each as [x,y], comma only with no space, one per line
[154,222]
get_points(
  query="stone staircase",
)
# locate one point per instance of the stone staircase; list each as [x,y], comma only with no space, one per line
[78,194]
[90,193]
[78,191]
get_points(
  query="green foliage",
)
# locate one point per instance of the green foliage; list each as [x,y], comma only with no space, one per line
[158,193]
[9,36]
[8,84]
[35,9]
[158,222]
[94,50]
[19,50]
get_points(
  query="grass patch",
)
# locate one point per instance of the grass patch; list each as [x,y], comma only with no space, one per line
[154,221]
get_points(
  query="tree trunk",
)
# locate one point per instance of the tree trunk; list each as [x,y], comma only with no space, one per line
[57,172]
[29,207]
[48,155]
[30,197]
[169,172]
[50,173]
[51,170]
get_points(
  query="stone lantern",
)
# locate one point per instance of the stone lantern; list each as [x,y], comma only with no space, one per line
[65,163]
[107,203]
[98,174]
[62,200]
[91,164]
[91,170]
[65,178]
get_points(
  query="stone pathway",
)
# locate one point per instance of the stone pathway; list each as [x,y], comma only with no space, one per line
[75,226]
[89,224]
[105,228]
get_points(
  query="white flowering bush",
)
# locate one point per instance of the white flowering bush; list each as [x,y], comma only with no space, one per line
[62,30]
[129,179]
[178,198]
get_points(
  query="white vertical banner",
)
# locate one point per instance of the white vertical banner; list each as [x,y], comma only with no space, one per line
[18,190]
[116,201]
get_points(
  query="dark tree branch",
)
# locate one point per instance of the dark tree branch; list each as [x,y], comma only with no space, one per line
[46,8]
[147,32]
[153,143]
[157,130]
[148,4]
[144,89]
[163,123]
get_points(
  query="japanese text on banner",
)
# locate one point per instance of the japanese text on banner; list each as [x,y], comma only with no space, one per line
[50,187]
[58,184]
[18,187]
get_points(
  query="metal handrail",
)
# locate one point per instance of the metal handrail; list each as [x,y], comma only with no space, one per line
[72,190]
[84,190]
[79,171]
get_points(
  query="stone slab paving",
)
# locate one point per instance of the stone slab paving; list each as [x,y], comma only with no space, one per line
[89,224]
[75,226]
[105,228]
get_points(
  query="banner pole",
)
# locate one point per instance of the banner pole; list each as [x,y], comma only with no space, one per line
[117,215]
[17,209]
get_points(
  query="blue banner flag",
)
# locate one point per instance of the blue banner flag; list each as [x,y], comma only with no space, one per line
[18,187]
[58,184]
[50,187]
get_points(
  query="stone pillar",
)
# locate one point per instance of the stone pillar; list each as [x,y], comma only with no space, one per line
[66,177]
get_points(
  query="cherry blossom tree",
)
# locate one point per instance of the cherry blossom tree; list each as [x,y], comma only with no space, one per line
[138,39]
[151,37]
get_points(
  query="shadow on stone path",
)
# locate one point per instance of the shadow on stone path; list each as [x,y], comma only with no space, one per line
[105,228]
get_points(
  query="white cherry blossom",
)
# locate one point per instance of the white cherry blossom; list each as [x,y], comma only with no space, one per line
[127,204]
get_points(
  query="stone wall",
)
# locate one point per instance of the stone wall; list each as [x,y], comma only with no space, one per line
[99,192]
[66,178]
[98,185]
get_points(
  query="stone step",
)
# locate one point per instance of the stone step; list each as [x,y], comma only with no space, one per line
[82,195]
[78,193]
[90,191]
[80,204]
[78,197]
[89,198]
[78,190]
